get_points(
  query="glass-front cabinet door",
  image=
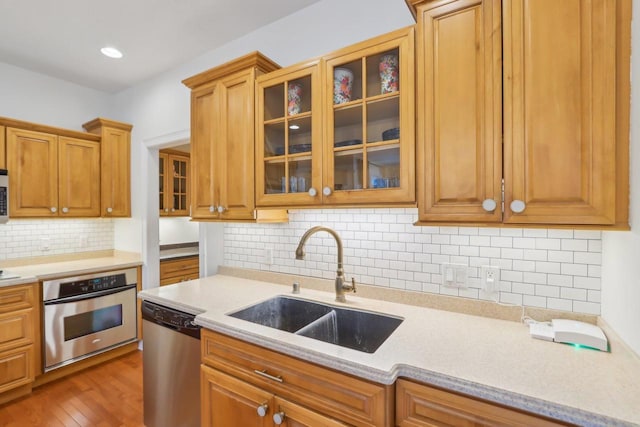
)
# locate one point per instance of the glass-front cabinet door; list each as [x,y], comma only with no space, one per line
[173,183]
[369,155]
[289,137]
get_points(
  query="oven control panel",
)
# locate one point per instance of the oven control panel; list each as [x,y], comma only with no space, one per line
[88,286]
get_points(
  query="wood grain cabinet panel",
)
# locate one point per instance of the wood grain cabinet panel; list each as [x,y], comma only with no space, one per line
[525,98]
[560,111]
[32,159]
[179,270]
[115,166]
[330,393]
[174,171]
[53,176]
[419,405]
[79,177]
[19,340]
[459,126]
[222,139]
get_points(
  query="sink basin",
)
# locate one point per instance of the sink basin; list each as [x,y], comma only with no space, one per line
[356,329]
[286,314]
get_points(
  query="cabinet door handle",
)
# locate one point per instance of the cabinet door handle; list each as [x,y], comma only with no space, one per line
[518,206]
[109,210]
[489,205]
[212,208]
[326,191]
[313,192]
[262,410]
[278,418]
[221,209]
[264,373]
[65,210]
[54,209]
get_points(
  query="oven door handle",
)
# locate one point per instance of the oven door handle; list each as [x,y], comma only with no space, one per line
[91,295]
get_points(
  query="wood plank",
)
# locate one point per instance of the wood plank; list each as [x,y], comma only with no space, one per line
[107,395]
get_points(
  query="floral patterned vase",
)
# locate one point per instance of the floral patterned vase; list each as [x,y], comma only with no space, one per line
[342,84]
[294,98]
[389,73]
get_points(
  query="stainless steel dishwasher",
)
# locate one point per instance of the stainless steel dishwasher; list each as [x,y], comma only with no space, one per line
[171,367]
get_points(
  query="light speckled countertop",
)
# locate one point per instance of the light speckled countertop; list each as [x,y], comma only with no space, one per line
[179,250]
[30,271]
[492,359]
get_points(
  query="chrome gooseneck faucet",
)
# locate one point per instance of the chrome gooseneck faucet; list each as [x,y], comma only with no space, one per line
[340,285]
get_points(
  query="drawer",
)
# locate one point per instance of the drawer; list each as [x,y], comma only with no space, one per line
[422,405]
[16,368]
[338,395]
[178,278]
[16,297]
[16,329]
[179,266]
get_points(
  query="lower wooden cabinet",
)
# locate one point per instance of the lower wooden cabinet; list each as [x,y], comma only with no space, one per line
[420,405]
[229,401]
[19,340]
[179,270]
[238,378]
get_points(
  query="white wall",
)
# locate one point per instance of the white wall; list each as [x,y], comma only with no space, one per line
[178,230]
[33,97]
[621,250]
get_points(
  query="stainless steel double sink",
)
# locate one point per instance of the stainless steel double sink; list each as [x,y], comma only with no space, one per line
[356,329]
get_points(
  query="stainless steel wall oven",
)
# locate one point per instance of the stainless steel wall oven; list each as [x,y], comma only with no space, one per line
[88,314]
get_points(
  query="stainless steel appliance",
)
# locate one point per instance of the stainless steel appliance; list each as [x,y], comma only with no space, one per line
[4,196]
[171,367]
[88,314]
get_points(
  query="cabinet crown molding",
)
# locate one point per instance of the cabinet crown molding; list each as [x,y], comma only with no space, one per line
[254,59]
[95,124]
[36,127]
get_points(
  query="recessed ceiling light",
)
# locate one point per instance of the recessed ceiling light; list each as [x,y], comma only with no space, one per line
[294,127]
[111,52]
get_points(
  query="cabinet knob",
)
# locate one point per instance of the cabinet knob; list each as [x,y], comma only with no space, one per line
[173,210]
[212,208]
[65,210]
[278,418]
[326,191]
[109,210]
[313,192]
[54,209]
[221,209]
[518,206]
[262,410]
[166,210]
[489,205]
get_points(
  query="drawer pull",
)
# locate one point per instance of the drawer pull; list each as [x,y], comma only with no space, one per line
[264,373]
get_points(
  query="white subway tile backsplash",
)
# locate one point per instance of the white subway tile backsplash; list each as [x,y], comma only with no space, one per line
[557,269]
[24,238]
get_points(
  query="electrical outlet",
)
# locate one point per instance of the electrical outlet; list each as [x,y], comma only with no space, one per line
[83,241]
[44,244]
[268,256]
[490,279]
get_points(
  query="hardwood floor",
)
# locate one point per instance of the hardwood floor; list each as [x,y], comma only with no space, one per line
[107,395]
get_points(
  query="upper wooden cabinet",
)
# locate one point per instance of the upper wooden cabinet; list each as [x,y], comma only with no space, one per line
[222,139]
[565,110]
[339,130]
[174,182]
[115,166]
[52,175]
[459,114]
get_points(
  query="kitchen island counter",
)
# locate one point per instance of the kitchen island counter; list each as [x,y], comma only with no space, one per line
[487,358]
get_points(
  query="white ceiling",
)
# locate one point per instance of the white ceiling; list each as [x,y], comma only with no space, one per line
[62,38]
